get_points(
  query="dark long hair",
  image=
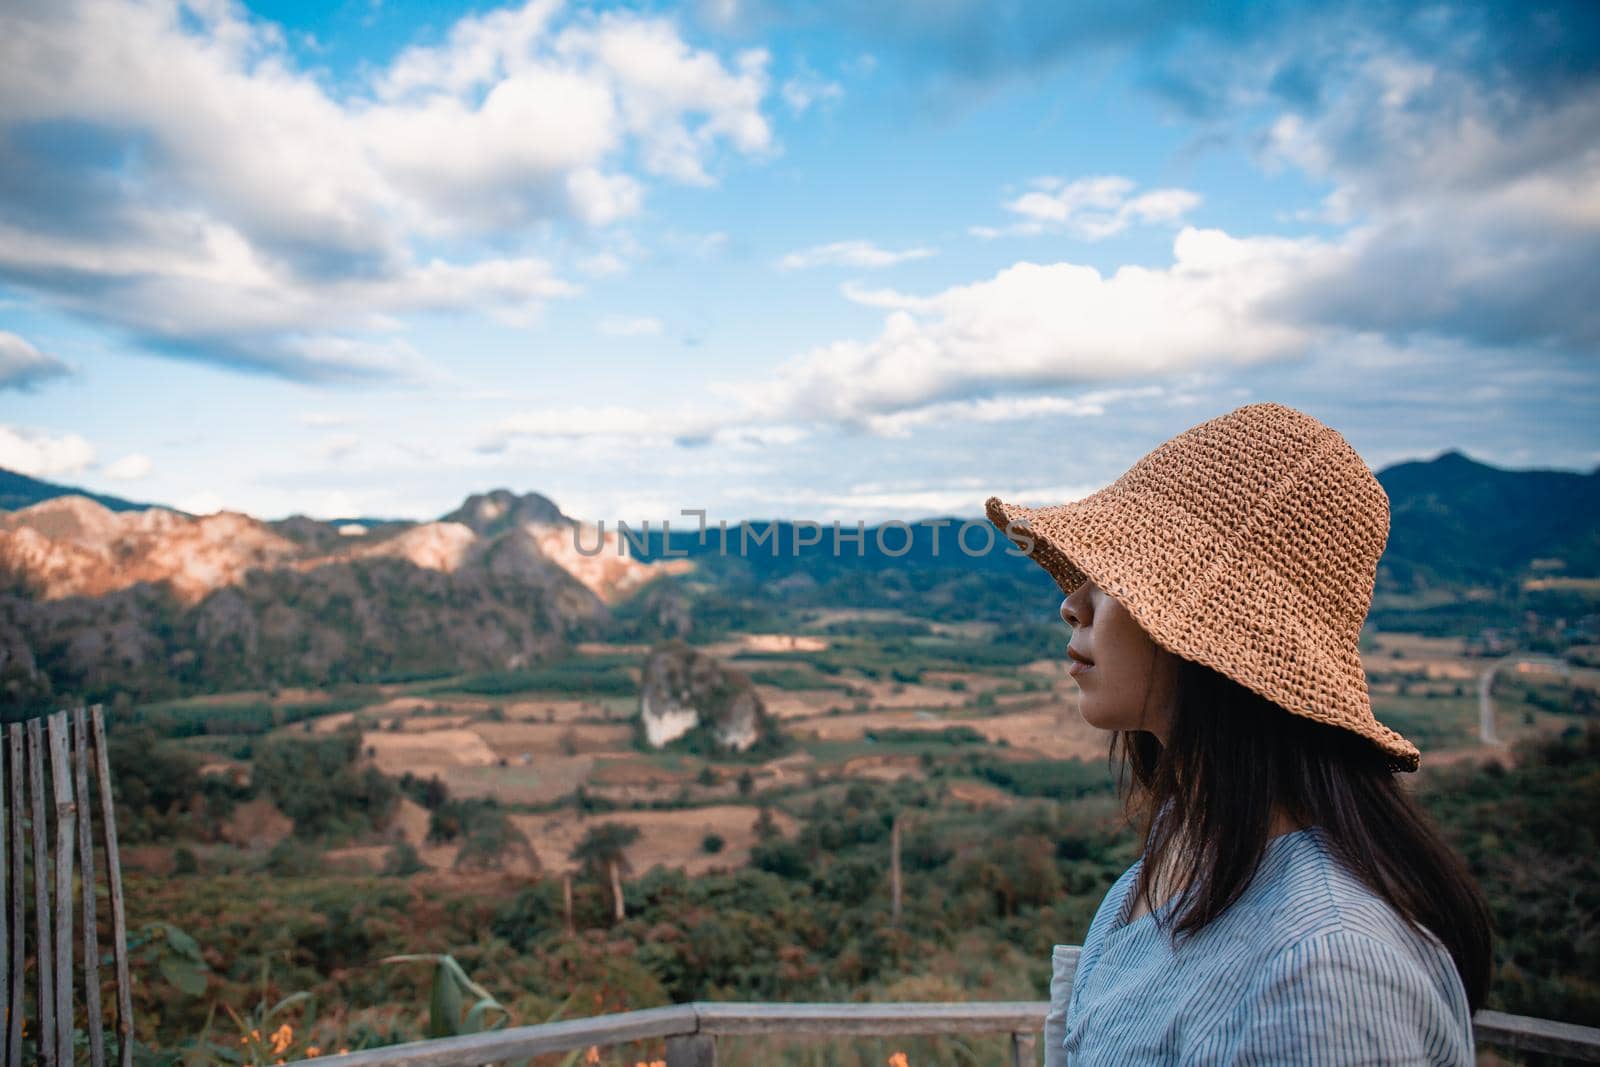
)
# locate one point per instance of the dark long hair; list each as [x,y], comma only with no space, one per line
[1232,757]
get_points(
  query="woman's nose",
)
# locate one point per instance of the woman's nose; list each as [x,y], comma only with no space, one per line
[1075,606]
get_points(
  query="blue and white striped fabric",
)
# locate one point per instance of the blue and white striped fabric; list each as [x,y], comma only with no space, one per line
[1307,967]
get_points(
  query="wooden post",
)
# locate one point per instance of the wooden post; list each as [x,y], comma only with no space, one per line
[566,901]
[91,938]
[41,898]
[119,923]
[66,840]
[616,892]
[18,898]
[894,870]
[692,1050]
[1022,1050]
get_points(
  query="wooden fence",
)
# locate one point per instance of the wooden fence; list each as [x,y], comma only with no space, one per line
[49,760]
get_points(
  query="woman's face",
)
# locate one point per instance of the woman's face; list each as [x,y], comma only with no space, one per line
[1132,681]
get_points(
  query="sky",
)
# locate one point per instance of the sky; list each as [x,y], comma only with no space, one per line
[801,259]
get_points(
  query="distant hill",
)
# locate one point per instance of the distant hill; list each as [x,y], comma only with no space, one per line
[19,491]
[154,603]
[1454,520]
[99,594]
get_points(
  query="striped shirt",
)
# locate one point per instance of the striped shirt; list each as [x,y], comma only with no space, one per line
[1308,966]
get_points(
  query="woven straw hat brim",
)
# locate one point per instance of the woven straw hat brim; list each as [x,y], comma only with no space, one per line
[1197,595]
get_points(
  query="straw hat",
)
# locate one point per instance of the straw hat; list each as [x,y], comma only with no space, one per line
[1248,543]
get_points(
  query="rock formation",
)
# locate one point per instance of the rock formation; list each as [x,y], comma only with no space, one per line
[688,696]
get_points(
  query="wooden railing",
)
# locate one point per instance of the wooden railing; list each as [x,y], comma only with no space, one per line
[691,1031]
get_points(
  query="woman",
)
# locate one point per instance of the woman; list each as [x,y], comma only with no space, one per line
[1291,903]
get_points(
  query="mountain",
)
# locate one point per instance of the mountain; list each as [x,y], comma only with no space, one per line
[157,603]
[1454,520]
[490,513]
[20,491]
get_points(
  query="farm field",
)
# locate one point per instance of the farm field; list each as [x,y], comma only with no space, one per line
[490,790]
[534,750]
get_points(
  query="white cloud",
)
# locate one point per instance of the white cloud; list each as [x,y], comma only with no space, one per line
[622,326]
[264,216]
[876,503]
[1035,325]
[808,88]
[1005,409]
[23,366]
[610,420]
[131,467]
[1090,208]
[884,298]
[602,264]
[632,427]
[322,419]
[1477,206]
[851,254]
[43,455]
[973,353]
[202,503]
[338,446]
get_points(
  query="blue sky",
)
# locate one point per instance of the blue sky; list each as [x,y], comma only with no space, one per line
[805,260]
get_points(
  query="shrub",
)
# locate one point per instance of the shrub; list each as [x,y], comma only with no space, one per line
[403,861]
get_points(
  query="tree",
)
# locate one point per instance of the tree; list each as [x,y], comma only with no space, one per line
[602,853]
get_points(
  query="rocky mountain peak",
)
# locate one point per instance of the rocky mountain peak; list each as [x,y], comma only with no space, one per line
[487,514]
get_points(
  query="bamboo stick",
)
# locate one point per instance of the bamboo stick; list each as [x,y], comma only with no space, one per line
[894,871]
[119,922]
[18,898]
[91,938]
[41,898]
[66,810]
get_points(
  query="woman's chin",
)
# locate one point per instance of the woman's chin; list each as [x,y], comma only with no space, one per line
[1095,717]
[1092,717]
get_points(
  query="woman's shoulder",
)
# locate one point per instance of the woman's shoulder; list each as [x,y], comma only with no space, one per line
[1304,900]
[1333,966]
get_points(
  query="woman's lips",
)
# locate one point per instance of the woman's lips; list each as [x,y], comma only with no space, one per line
[1079,668]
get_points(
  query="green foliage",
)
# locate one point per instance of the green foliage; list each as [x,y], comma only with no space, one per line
[315,781]
[266,1034]
[949,735]
[457,1005]
[490,839]
[792,678]
[197,718]
[591,676]
[152,784]
[1529,836]
[174,954]
[429,792]
[403,861]
[987,892]
[603,845]
[293,858]
[1057,779]
[452,818]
